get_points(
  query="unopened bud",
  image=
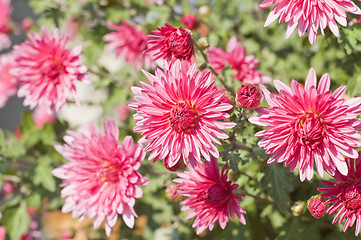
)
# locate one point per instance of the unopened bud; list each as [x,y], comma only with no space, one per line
[203,43]
[248,96]
[172,193]
[204,11]
[178,166]
[26,24]
[316,206]
[190,21]
[297,208]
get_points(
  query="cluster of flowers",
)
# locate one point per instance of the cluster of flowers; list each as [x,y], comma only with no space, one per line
[180,114]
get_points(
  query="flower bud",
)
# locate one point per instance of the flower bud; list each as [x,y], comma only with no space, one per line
[190,21]
[26,24]
[178,166]
[316,206]
[248,96]
[203,43]
[204,11]
[172,193]
[297,208]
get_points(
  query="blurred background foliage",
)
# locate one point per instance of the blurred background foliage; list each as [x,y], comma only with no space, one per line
[272,194]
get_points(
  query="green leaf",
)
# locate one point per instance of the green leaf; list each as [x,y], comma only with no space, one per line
[297,230]
[233,159]
[43,174]
[280,180]
[16,221]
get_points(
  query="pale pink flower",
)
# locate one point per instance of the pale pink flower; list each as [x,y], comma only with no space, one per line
[42,115]
[123,112]
[2,233]
[310,125]
[345,195]
[236,56]
[310,15]
[180,115]
[101,179]
[7,81]
[47,71]
[5,12]
[170,43]
[209,196]
[129,43]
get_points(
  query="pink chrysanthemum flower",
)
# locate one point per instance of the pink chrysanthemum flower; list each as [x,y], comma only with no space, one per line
[310,15]
[5,11]
[47,71]
[236,57]
[101,179]
[129,43]
[7,81]
[310,125]
[171,43]
[209,196]
[345,195]
[41,115]
[180,115]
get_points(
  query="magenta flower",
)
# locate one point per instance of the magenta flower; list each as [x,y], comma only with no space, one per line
[171,43]
[7,81]
[129,43]
[316,206]
[209,196]
[180,115]
[5,12]
[248,96]
[101,179]
[310,125]
[190,21]
[236,57]
[345,195]
[47,71]
[310,15]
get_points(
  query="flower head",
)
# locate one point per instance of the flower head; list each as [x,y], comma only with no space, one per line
[308,125]
[47,71]
[129,43]
[5,11]
[171,43]
[316,206]
[7,81]
[101,179]
[249,96]
[190,21]
[179,113]
[345,195]
[236,57]
[42,115]
[310,15]
[209,196]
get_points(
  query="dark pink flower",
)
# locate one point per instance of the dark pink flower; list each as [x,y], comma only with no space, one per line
[345,195]
[171,43]
[27,24]
[310,15]
[310,125]
[47,71]
[209,196]
[123,112]
[249,96]
[179,114]
[172,193]
[101,179]
[7,81]
[2,233]
[129,43]
[190,21]
[236,57]
[316,206]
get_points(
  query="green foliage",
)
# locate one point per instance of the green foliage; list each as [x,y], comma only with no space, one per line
[279,179]
[42,174]
[16,220]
